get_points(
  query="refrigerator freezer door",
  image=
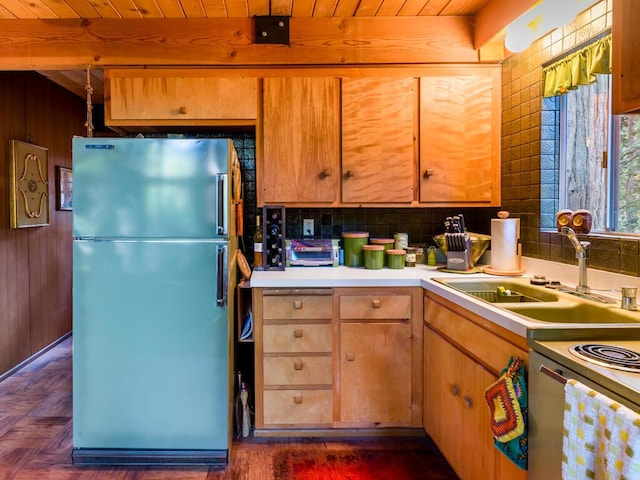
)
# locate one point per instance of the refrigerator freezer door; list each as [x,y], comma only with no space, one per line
[151,188]
[151,346]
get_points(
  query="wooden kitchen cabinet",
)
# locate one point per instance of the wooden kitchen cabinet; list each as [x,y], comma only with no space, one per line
[294,358]
[625,88]
[330,359]
[375,359]
[460,118]
[157,97]
[300,161]
[379,123]
[463,355]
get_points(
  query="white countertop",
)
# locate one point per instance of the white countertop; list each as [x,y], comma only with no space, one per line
[423,276]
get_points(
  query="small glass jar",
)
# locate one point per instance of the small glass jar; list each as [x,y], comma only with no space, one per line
[410,257]
[420,259]
[401,241]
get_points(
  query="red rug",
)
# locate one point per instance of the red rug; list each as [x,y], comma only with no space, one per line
[365,464]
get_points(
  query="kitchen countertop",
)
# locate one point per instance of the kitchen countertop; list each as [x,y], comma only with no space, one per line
[423,276]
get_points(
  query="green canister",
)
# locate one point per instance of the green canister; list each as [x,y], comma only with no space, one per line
[395,258]
[373,256]
[353,243]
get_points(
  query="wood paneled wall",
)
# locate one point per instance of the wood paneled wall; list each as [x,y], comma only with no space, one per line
[35,263]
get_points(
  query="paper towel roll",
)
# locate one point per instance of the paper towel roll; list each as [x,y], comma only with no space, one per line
[504,243]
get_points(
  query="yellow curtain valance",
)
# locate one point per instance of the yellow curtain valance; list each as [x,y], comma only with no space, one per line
[579,68]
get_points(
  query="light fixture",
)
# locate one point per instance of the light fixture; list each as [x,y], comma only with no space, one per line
[545,16]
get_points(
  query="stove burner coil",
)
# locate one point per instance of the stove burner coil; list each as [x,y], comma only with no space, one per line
[608,356]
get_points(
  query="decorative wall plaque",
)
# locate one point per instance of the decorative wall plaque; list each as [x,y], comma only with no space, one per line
[29,175]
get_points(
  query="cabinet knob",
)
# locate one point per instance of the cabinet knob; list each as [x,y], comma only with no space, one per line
[297,399]
[348,174]
[351,357]
[428,172]
[467,401]
[455,390]
[297,364]
[375,303]
[297,333]
[325,173]
[297,304]
[183,110]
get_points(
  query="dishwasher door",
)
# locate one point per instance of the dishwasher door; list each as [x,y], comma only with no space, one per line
[546,411]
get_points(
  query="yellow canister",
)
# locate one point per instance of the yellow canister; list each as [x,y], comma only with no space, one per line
[353,243]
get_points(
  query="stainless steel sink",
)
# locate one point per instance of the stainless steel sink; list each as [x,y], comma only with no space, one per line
[582,312]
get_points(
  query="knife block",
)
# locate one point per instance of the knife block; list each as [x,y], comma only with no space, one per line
[461,259]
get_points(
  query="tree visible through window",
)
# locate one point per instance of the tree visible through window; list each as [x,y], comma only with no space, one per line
[599,168]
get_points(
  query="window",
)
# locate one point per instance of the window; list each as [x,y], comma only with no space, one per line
[598,159]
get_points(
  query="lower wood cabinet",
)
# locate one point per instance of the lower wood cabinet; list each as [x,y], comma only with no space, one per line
[375,359]
[337,358]
[463,355]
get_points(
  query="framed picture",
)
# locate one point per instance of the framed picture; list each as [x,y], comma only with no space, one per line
[29,185]
[64,188]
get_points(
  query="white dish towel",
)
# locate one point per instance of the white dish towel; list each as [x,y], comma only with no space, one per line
[601,437]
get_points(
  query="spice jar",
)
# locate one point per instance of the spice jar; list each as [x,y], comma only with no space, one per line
[410,257]
[420,256]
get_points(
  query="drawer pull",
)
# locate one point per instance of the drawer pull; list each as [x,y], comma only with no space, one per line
[297,399]
[455,390]
[297,304]
[375,303]
[297,333]
[297,365]
[351,357]
[183,110]
[467,401]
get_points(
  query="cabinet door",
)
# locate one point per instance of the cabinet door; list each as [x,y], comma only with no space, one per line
[625,89]
[375,373]
[442,391]
[460,137]
[172,99]
[301,153]
[378,147]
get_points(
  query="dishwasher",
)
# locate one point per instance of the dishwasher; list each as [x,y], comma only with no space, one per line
[551,363]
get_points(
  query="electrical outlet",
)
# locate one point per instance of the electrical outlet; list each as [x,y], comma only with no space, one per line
[307,227]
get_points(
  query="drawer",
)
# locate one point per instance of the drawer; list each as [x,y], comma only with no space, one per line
[296,407]
[383,307]
[297,338]
[290,307]
[298,370]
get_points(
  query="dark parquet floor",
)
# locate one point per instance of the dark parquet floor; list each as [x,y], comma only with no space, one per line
[36,435]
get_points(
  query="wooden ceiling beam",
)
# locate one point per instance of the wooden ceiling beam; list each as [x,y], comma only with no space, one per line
[495,16]
[67,44]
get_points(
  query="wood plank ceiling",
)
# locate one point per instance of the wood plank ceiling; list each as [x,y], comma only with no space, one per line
[123,9]
[58,37]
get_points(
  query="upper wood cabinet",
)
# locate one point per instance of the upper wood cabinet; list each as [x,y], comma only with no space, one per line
[378,139]
[460,121]
[160,97]
[625,90]
[301,141]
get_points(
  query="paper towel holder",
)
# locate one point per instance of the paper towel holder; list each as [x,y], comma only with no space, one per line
[503,215]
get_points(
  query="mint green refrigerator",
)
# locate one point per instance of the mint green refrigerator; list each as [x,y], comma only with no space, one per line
[153,280]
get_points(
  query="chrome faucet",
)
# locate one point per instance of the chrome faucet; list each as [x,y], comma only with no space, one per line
[582,254]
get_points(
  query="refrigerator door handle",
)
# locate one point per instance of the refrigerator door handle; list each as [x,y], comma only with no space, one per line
[221,299]
[223,195]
